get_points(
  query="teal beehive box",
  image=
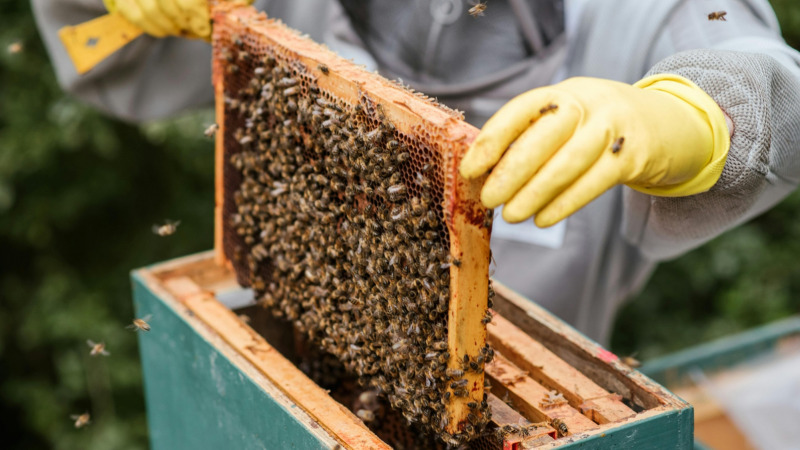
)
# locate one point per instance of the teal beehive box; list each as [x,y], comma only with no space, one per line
[213,380]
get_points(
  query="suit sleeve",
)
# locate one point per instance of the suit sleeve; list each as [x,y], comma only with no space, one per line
[147,79]
[151,78]
[755,78]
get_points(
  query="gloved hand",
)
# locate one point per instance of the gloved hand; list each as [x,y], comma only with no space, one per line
[161,18]
[554,149]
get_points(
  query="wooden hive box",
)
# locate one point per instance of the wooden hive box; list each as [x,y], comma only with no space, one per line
[212,381]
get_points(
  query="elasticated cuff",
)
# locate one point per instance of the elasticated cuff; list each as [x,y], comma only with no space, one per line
[689,92]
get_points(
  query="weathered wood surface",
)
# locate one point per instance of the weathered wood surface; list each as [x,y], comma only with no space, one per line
[527,396]
[502,414]
[552,372]
[598,364]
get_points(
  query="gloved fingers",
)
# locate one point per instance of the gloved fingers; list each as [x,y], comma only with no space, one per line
[503,128]
[152,13]
[111,5]
[176,14]
[131,10]
[602,176]
[571,161]
[197,17]
[527,154]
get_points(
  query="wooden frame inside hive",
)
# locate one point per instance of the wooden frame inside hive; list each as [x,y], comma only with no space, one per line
[441,130]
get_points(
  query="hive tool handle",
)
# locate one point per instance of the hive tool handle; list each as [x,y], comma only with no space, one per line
[93,41]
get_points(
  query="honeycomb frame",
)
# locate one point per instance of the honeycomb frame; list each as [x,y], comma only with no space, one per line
[412,114]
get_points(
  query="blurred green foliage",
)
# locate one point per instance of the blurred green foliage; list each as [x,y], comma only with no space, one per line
[79,193]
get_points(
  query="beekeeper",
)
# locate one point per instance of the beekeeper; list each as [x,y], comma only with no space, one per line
[698,132]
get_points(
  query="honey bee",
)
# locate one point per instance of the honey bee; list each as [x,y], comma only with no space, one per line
[617,145]
[323,68]
[630,361]
[477,9]
[81,420]
[549,108]
[140,324]
[459,384]
[365,415]
[559,425]
[718,15]
[97,348]
[167,229]
[244,318]
[15,47]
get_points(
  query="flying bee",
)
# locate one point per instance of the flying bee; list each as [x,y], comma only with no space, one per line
[630,361]
[15,47]
[617,145]
[81,420]
[718,15]
[365,415]
[559,425]
[211,130]
[477,9]
[98,348]
[140,324]
[549,108]
[167,229]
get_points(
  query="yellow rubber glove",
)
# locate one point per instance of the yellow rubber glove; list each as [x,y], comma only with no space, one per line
[552,150]
[161,18]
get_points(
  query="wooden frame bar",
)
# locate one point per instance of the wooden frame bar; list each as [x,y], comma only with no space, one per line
[550,371]
[527,395]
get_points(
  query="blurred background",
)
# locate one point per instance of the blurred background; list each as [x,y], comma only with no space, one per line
[79,193]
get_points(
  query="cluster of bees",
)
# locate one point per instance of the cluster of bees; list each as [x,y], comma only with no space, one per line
[342,223]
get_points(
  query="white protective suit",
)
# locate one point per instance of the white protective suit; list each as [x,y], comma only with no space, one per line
[583,268]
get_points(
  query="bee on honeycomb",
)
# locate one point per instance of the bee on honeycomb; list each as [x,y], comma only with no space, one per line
[342,229]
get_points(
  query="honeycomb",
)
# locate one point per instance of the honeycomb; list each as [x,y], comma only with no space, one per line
[345,213]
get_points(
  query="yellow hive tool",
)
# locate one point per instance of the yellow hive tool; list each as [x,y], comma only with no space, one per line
[93,41]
